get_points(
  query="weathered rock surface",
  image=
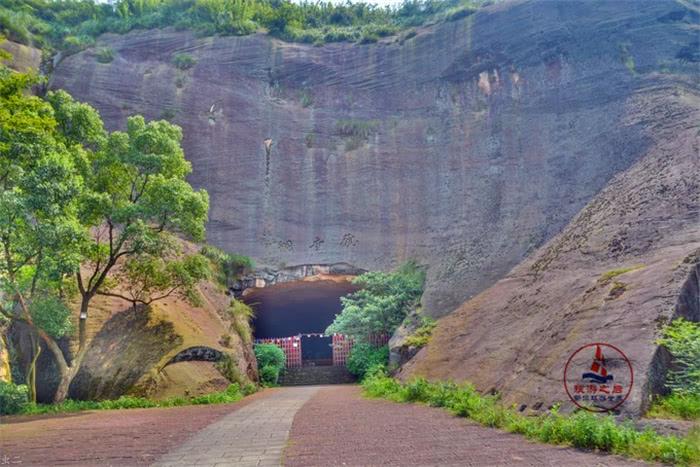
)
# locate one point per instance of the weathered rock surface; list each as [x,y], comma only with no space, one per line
[465,147]
[132,350]
[516,336]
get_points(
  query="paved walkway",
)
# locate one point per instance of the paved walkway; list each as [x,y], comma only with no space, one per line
[299,426]
[340,427]
[254,435]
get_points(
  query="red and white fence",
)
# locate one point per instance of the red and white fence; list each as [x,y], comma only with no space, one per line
[342,345]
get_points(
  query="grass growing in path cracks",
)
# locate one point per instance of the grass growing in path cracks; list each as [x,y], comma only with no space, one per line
[581,429]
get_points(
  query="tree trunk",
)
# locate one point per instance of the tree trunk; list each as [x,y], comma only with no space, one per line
[31,372]
[63,385]
[82,323]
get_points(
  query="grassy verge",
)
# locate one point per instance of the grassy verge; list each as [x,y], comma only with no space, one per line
[581,429]
[232,394]
[676,406]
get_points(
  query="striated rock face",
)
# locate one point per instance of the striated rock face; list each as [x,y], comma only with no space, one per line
[465,147]
[627,263]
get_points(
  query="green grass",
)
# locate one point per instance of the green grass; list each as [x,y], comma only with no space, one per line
[676,406]
[421,336]
[611,274]
[232,394]
[581,430]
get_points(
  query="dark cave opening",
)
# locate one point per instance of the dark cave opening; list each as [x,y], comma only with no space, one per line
[293,308]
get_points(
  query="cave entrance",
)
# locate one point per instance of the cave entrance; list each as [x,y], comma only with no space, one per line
[295,315]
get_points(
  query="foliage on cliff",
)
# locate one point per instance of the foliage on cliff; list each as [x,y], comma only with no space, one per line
[74,25]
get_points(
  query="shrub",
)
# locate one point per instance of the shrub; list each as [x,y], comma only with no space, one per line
[13,398]
[104,55]
[183,61]
[232,393]
[682,339]
[269,375]
[271,361]
[683,406]
[421,336]
[364,356]
[226,266]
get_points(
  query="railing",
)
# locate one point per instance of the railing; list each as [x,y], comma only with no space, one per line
[341,344]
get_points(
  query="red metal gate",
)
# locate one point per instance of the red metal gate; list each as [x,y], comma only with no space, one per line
[341,349]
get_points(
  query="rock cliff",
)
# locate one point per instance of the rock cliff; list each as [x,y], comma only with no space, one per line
[560,132]
[465,147]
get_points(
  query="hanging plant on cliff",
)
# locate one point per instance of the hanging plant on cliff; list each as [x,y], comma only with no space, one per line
[381,304]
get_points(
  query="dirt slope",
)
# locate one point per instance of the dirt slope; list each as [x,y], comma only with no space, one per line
[465,147]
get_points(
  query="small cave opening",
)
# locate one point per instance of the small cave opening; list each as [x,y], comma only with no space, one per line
[302,308]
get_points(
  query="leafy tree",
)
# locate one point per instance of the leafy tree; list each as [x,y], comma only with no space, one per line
[135,196]
[145,279]
[381,304]
[40,236]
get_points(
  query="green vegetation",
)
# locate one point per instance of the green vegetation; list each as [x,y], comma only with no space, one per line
[356,132]
[104,55]
[241,314]
[226,266]
[381,304]
[421,336]
[682,339]
[365,356]
[613,273]
[678,406]
[233,393]
[183,61]
[74,25]
[271,361]
[581,429]
[82,209]
[14,398]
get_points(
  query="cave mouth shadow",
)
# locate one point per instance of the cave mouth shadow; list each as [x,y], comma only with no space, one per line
[296,308]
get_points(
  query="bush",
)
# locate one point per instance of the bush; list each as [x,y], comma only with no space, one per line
[364,356]
[232,393]
[183,61]
[582,429]
[269,375]
[421,336]
[271,361]
[104,55]
[682,339]
[13,398]
[683,406]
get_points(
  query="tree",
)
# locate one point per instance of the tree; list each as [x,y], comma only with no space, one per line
[40,236]
[135,196]
[145,279]
[381,304]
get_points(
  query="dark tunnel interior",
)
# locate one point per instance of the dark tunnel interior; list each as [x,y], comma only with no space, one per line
[296,307]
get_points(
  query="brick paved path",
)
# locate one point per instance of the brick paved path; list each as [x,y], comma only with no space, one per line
[340,427]
[303,426]
[254,435]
